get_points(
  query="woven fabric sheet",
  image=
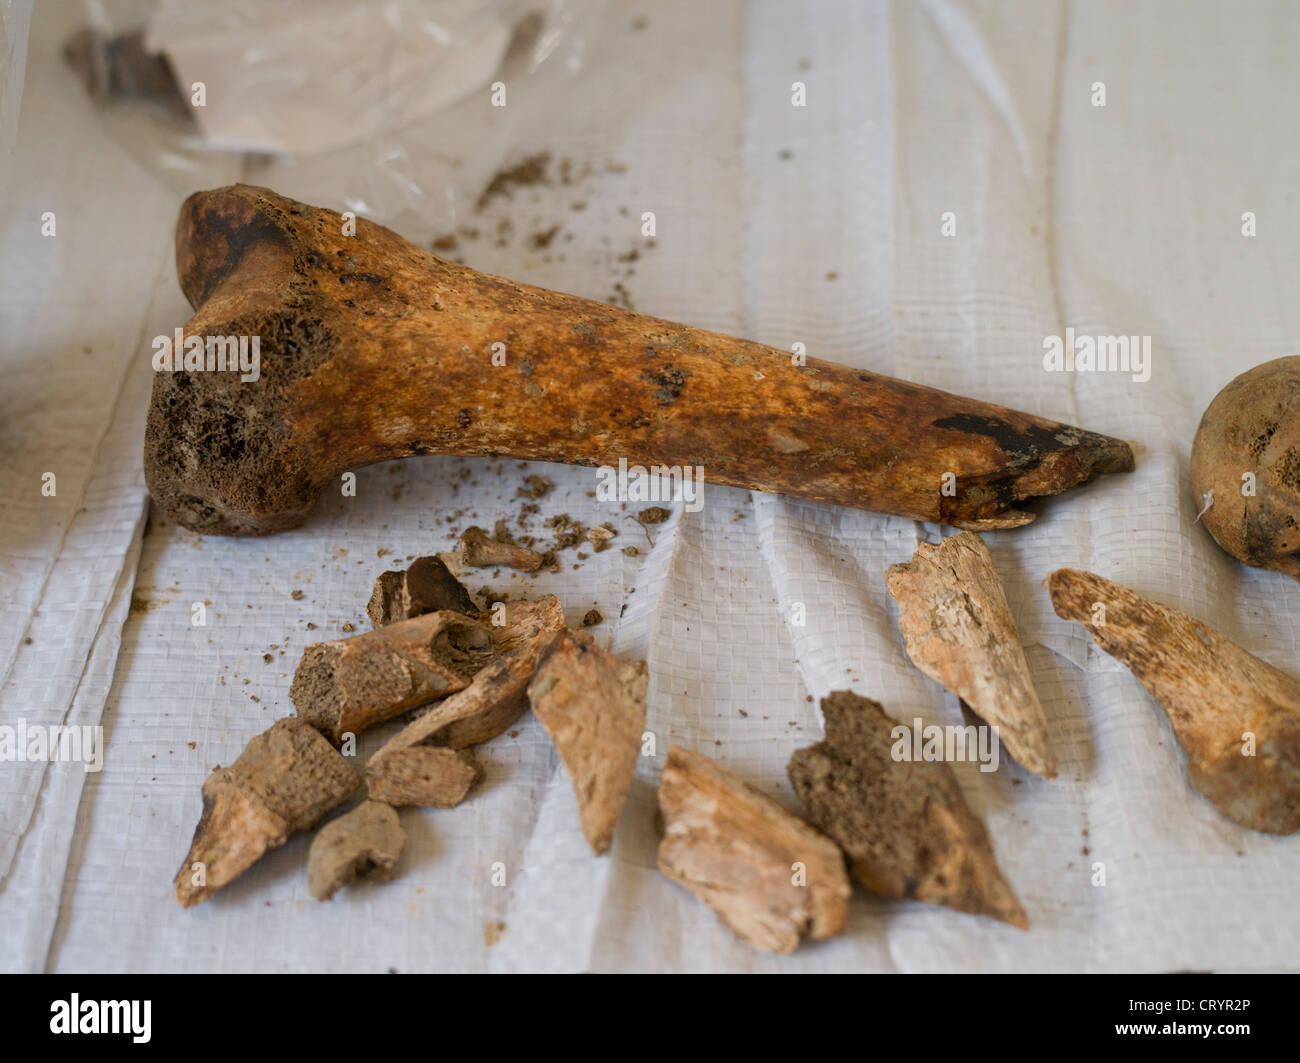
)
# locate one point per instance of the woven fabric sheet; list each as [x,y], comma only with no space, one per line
[950,196]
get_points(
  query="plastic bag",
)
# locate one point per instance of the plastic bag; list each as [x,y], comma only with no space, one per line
[376,108]
[15,19]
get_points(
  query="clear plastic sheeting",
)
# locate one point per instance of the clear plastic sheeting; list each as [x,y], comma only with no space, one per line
[367,95]
[301,79]
[15,17]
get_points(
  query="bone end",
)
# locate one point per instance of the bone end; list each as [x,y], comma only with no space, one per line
[1031,459]
[284,781]
[1073,593]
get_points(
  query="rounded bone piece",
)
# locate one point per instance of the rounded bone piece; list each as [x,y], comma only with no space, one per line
[1246,467]
[365,841]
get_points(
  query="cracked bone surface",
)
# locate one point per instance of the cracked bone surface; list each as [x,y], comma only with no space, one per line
[372,348]
[366,841]
[1236,716]
[959,631]
[736,849]
[347,685]
[903,824]
[592,704]
[283,782]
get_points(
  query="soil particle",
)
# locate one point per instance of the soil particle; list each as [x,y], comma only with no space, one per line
[530,171]
[535,487]
[542,240]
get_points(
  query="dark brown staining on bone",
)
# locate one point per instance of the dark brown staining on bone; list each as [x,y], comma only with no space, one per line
[225,439]
[903,824]
[427,586]
[671,382]
[1026,444]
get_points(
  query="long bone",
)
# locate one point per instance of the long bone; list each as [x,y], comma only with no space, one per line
[372,348]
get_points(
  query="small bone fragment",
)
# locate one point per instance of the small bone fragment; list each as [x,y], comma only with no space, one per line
[770,876]
[427,586]
[904,825]
[593,706]
[349,684]
[432,776]
[600,537]
[284,781]
[481,551]
[1250,434]
[1237,716]
[959,631]
[366,841]
[496,697]
[493,702]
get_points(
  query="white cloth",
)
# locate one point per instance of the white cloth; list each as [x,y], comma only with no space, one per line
[1122,219]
